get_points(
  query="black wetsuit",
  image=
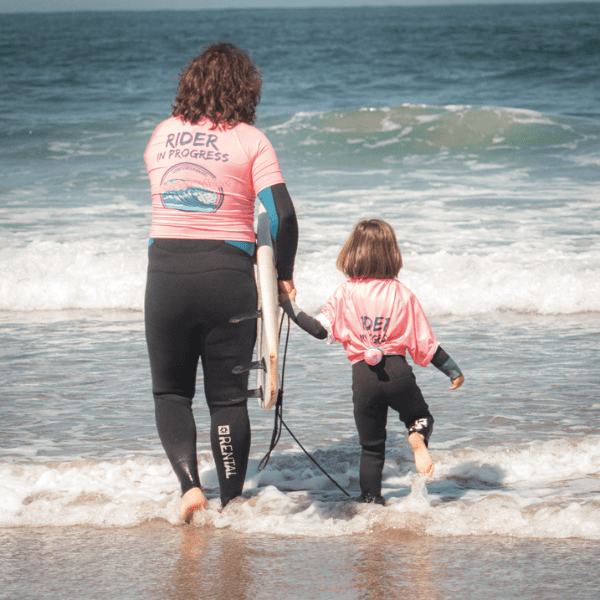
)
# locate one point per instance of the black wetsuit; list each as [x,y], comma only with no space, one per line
[194,287]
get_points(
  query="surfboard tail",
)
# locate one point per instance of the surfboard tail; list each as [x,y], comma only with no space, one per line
[274,382]
[268,323]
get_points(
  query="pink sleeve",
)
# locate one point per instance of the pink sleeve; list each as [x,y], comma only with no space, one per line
[265,166]
[422,343]
[327,318]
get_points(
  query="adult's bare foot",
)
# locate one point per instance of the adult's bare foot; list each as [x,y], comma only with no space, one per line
[423,461]
[192,501]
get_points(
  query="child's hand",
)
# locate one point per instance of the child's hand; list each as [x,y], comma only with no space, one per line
[456,383]
[286,290]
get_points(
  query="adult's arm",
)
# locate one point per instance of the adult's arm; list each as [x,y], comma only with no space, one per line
[284,228]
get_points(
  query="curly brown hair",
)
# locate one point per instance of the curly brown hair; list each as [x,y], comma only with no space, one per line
[221,84]
[371,251]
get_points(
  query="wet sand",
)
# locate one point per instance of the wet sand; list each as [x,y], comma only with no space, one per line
[159,561]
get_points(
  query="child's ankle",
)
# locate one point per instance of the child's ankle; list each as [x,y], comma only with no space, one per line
[415,439]
[423,461]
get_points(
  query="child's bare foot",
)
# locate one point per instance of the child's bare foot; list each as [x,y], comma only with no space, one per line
[192,501]
[423,461]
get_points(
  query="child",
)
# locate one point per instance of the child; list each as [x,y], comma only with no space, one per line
[377,319]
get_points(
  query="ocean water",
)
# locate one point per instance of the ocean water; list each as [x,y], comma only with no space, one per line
[475,131]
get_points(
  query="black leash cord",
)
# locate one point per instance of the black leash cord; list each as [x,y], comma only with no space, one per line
[278,404]
[279,420]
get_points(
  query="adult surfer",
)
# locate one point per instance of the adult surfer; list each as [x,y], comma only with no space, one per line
[207,164]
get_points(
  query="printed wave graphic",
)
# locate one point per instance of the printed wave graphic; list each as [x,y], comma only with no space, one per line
[191,199]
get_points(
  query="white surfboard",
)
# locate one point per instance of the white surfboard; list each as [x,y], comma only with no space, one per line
[267,342]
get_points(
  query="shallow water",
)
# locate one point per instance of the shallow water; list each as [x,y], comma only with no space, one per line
[517,449]
[164,562]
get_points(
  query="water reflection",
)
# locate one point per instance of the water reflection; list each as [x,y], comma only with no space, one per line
[211,565]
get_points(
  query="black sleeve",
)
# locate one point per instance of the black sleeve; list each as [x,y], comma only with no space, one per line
[286,242]
[304,321]
[445,364]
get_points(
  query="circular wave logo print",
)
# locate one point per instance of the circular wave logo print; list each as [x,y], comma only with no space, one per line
[187,187]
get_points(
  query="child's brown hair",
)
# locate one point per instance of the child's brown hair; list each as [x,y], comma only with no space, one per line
[371,251]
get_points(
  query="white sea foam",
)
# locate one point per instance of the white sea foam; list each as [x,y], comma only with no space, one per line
[545,490]
[551,283]
[49,275]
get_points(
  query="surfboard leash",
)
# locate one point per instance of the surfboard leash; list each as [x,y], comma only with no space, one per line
[278,404]
[279,419]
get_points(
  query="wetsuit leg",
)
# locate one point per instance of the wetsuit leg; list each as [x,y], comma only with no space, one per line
[194,287]
[374,388]
[403,394]
[370,416]
[174,353]
[225,347]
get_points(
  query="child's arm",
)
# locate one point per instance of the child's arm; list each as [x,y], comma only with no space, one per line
[303,320]
[448,367]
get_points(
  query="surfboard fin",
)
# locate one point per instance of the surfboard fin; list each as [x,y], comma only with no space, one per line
[257,393]
[255,314]
[259,364]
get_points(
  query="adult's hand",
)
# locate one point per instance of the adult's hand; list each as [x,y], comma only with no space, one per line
[286,290]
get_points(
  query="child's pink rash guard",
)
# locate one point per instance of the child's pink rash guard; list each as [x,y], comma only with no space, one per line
[204,182]
[378,312]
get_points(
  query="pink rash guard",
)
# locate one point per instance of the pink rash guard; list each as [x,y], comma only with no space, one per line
[204,181]
[378,312]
